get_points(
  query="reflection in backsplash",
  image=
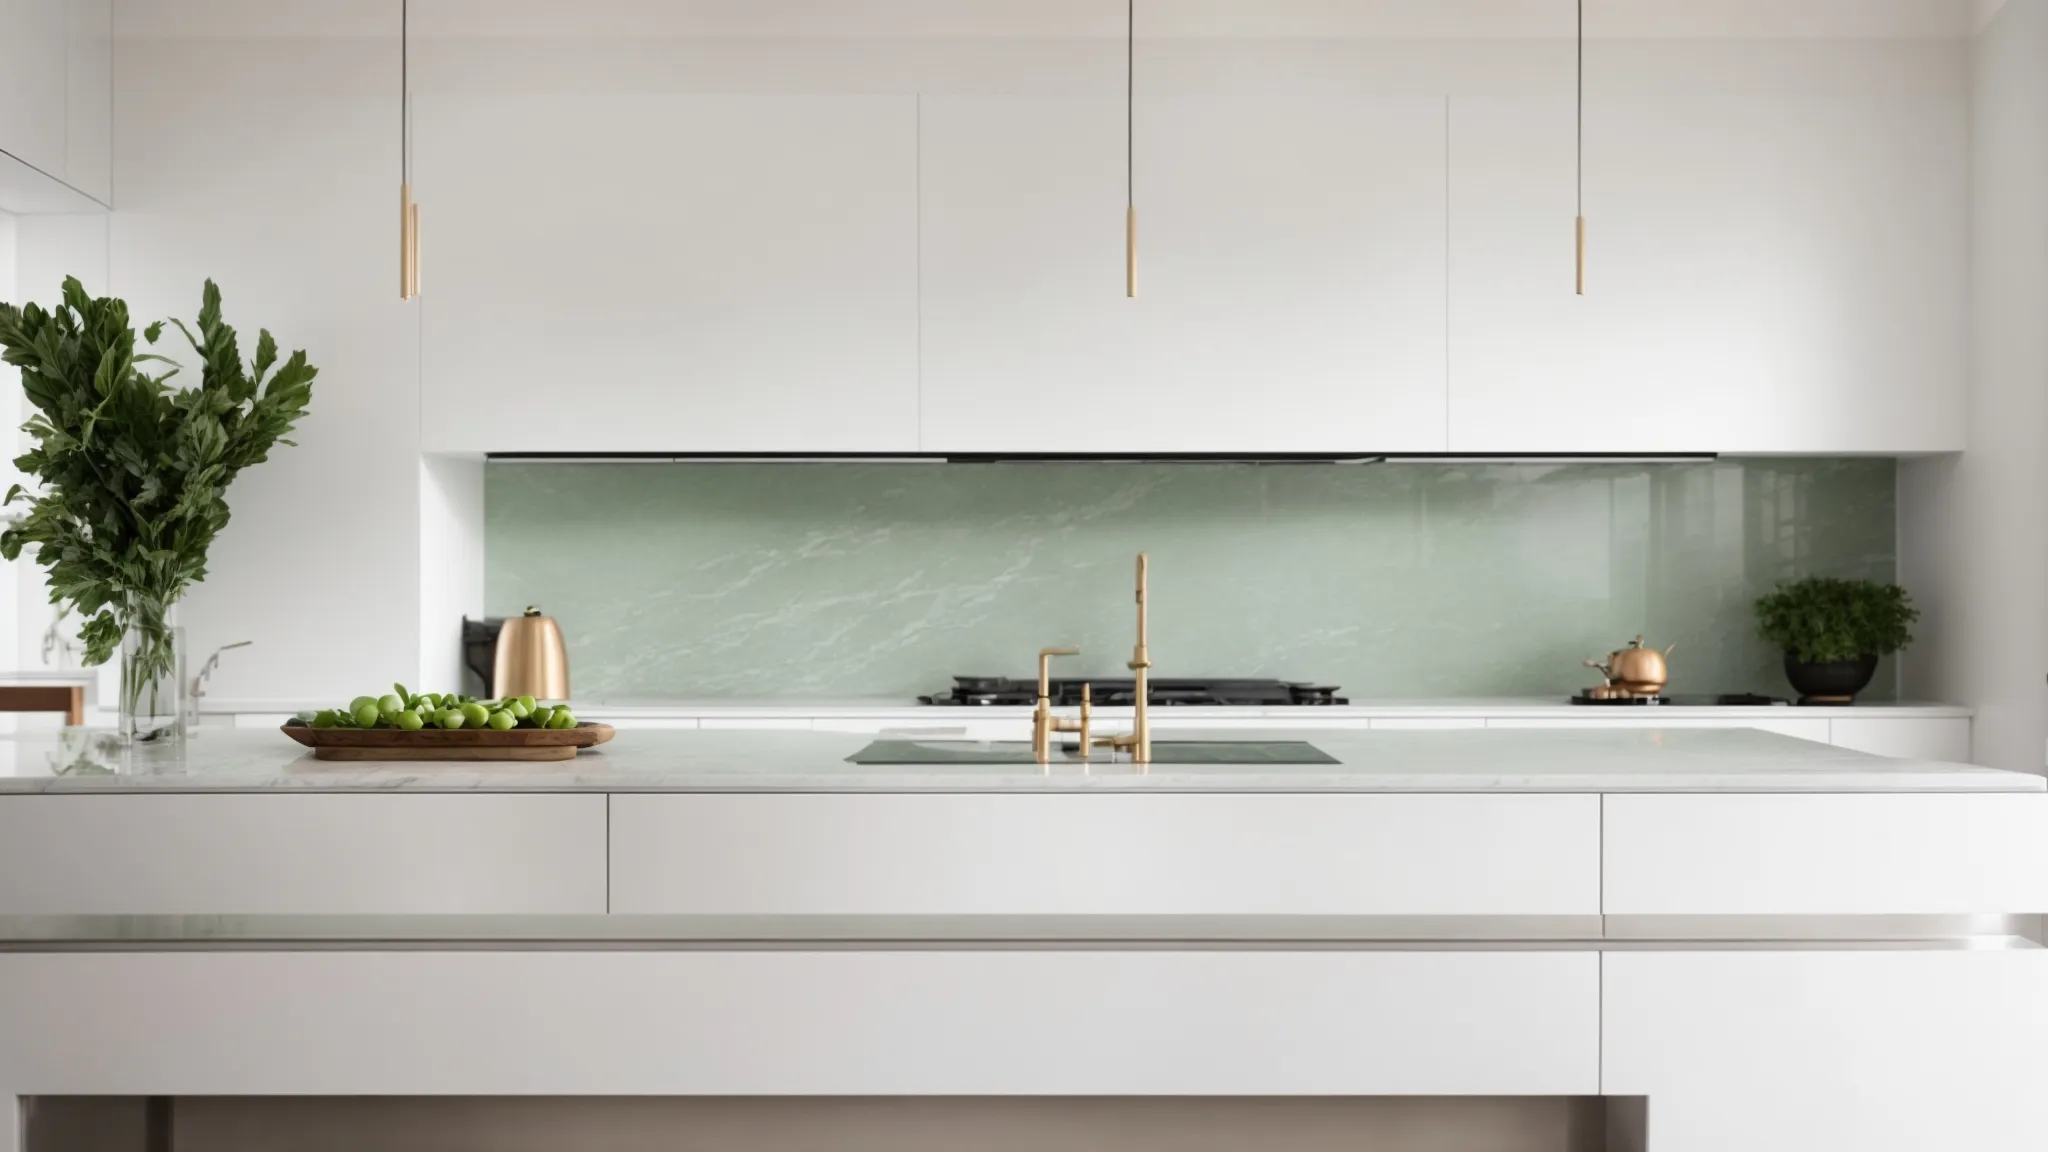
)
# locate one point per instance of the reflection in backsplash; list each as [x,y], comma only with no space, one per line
[699,581]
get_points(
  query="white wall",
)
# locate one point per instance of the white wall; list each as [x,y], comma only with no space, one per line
[271,166]
[1974,528]
[451,566]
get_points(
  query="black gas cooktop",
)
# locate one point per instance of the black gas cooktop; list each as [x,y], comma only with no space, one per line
[988,691]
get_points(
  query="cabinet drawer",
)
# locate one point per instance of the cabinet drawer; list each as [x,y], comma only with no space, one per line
[1826,854]
[305,855]
[1107,855]
[1790,1051]
[824,1023]
[1946,739]
[1815,730]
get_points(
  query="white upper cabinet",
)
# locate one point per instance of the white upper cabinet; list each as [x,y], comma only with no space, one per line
[1290,275]
[33,46]
[89,98]
[1766,272]
[668,273]
[55,104]
[1027,338]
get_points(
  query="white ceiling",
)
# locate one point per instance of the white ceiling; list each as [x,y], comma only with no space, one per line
[1459,19]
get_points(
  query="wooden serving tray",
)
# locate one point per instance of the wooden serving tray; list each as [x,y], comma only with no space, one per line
[521,744]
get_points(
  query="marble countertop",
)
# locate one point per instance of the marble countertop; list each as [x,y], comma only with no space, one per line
[1469,760]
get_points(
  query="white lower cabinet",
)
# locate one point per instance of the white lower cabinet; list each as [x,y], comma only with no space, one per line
[1077,855]
[1944,739]
[1799,728]
[892,1023]
[1825,855]
[1876,1051]
[345,854]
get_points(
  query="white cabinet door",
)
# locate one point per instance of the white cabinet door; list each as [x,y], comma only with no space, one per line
[872,1022]
[34,39]
[1879,1051]
[333,854]
[1822,855]
[1104,855]
[89,98]
[1799,728]
[1290,276]
[1766,273]
[668,273]
[1027,336]
[1944,738]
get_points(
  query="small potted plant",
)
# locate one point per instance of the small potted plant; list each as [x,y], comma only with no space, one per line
[1833,632]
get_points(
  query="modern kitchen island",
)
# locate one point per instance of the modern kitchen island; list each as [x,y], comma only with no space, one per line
[1731,938]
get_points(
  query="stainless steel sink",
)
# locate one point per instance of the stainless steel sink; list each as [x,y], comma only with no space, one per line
[912,751]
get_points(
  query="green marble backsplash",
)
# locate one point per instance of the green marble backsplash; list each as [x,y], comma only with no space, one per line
[750,581]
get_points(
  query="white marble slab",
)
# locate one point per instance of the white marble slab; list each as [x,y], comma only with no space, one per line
[1475,760]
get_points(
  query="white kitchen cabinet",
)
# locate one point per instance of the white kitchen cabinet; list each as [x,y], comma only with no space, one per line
[1027,339]
[881,1022]
[1290,275]
[1077,855]
[1766,272]
[1798,727]
[1820,854]
[1938,738]
[56,101]
[34,45]
[668,273]
[1781,1051]
[89,97]
[363,854]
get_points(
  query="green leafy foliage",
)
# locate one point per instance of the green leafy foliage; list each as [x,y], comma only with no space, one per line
[133,474]
[1822,620]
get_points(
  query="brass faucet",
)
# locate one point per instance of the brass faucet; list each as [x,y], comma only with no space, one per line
[1138,741]
[1043,723]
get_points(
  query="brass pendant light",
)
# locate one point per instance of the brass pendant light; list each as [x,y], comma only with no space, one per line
[1580,280]
[408,212]
[1130,148]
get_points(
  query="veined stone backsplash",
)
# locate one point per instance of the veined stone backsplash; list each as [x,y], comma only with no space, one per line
[706,581]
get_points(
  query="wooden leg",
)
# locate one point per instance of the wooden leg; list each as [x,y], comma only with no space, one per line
[76,716]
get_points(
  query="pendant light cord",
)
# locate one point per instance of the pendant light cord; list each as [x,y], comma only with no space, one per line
[405,91]
[1130,102]
[1580,159]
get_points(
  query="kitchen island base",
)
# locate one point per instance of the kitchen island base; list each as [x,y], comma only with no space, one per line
[1767,944]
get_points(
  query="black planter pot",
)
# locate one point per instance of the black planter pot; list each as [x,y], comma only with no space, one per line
[1836,682]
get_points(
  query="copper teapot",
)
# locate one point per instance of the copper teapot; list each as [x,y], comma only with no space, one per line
[1635,670]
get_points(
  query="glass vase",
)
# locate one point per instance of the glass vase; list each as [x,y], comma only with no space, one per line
[152,675]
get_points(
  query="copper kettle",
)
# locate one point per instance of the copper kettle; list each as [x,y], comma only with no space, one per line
[531,659]
[1635,670]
